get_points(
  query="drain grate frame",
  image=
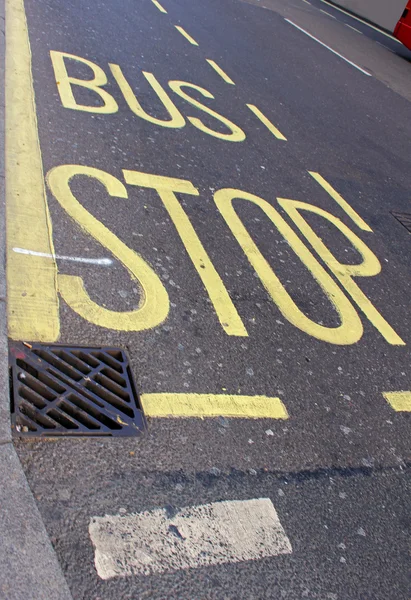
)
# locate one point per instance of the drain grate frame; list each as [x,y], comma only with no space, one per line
[73,391]
[403,218]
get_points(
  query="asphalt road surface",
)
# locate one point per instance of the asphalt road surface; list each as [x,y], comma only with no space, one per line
[221,178]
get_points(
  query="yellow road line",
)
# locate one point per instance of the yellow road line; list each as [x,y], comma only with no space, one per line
[340,200]
[213,405]
[186,35]
[220,71]
[33,312]
[160,8]
[400,401]
[167,188]
[276,132]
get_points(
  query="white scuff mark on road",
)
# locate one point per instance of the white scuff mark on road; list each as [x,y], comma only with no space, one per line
[160,541]
[92,261]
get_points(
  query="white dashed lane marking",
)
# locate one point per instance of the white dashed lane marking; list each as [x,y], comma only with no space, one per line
[328,47]
[196,536]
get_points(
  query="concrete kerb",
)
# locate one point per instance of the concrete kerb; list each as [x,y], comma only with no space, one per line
[5,431]
[28,564]
[29,567]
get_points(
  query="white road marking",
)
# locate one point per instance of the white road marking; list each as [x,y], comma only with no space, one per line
[328,48]
[354,29]
[92,261]
[196,536]
[327,13]
[361,21]
[386,47]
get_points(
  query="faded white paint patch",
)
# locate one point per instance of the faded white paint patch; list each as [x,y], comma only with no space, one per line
[92,261]
[156,541]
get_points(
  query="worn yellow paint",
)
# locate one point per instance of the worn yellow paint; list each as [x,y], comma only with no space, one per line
[65,84]
[236,135]
[349,331]
[167,187]
[186,35]
[400,401]
[340,200]
[158,5]
[154,306]
[369,266]
[177,119]
[276,132]
[33,312]
[220,71]
[213,405]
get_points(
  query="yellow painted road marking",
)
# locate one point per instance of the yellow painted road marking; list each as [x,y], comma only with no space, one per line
[65,84]
[213,405]
[345,273]
[167,188]
[186,35]
[276,132]
[236,133]
[350,329]
[160,8]
[33,312]
[340,200]
[176,120]
[154,304]
[220,71]
[400,401]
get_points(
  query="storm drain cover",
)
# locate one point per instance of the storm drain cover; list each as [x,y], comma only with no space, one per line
[403,218]
[73,391]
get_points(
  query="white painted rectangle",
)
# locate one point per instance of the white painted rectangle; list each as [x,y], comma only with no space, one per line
[210,534]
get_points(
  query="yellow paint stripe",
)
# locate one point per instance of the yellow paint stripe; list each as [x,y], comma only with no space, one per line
[160,8]
[400,401]
[167,187]
[33,312]
[220,71]
[340,200]
[276,132]
[186,35]
[213,405]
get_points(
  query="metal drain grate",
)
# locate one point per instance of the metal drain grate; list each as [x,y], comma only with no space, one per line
[73,391]
[403,218]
